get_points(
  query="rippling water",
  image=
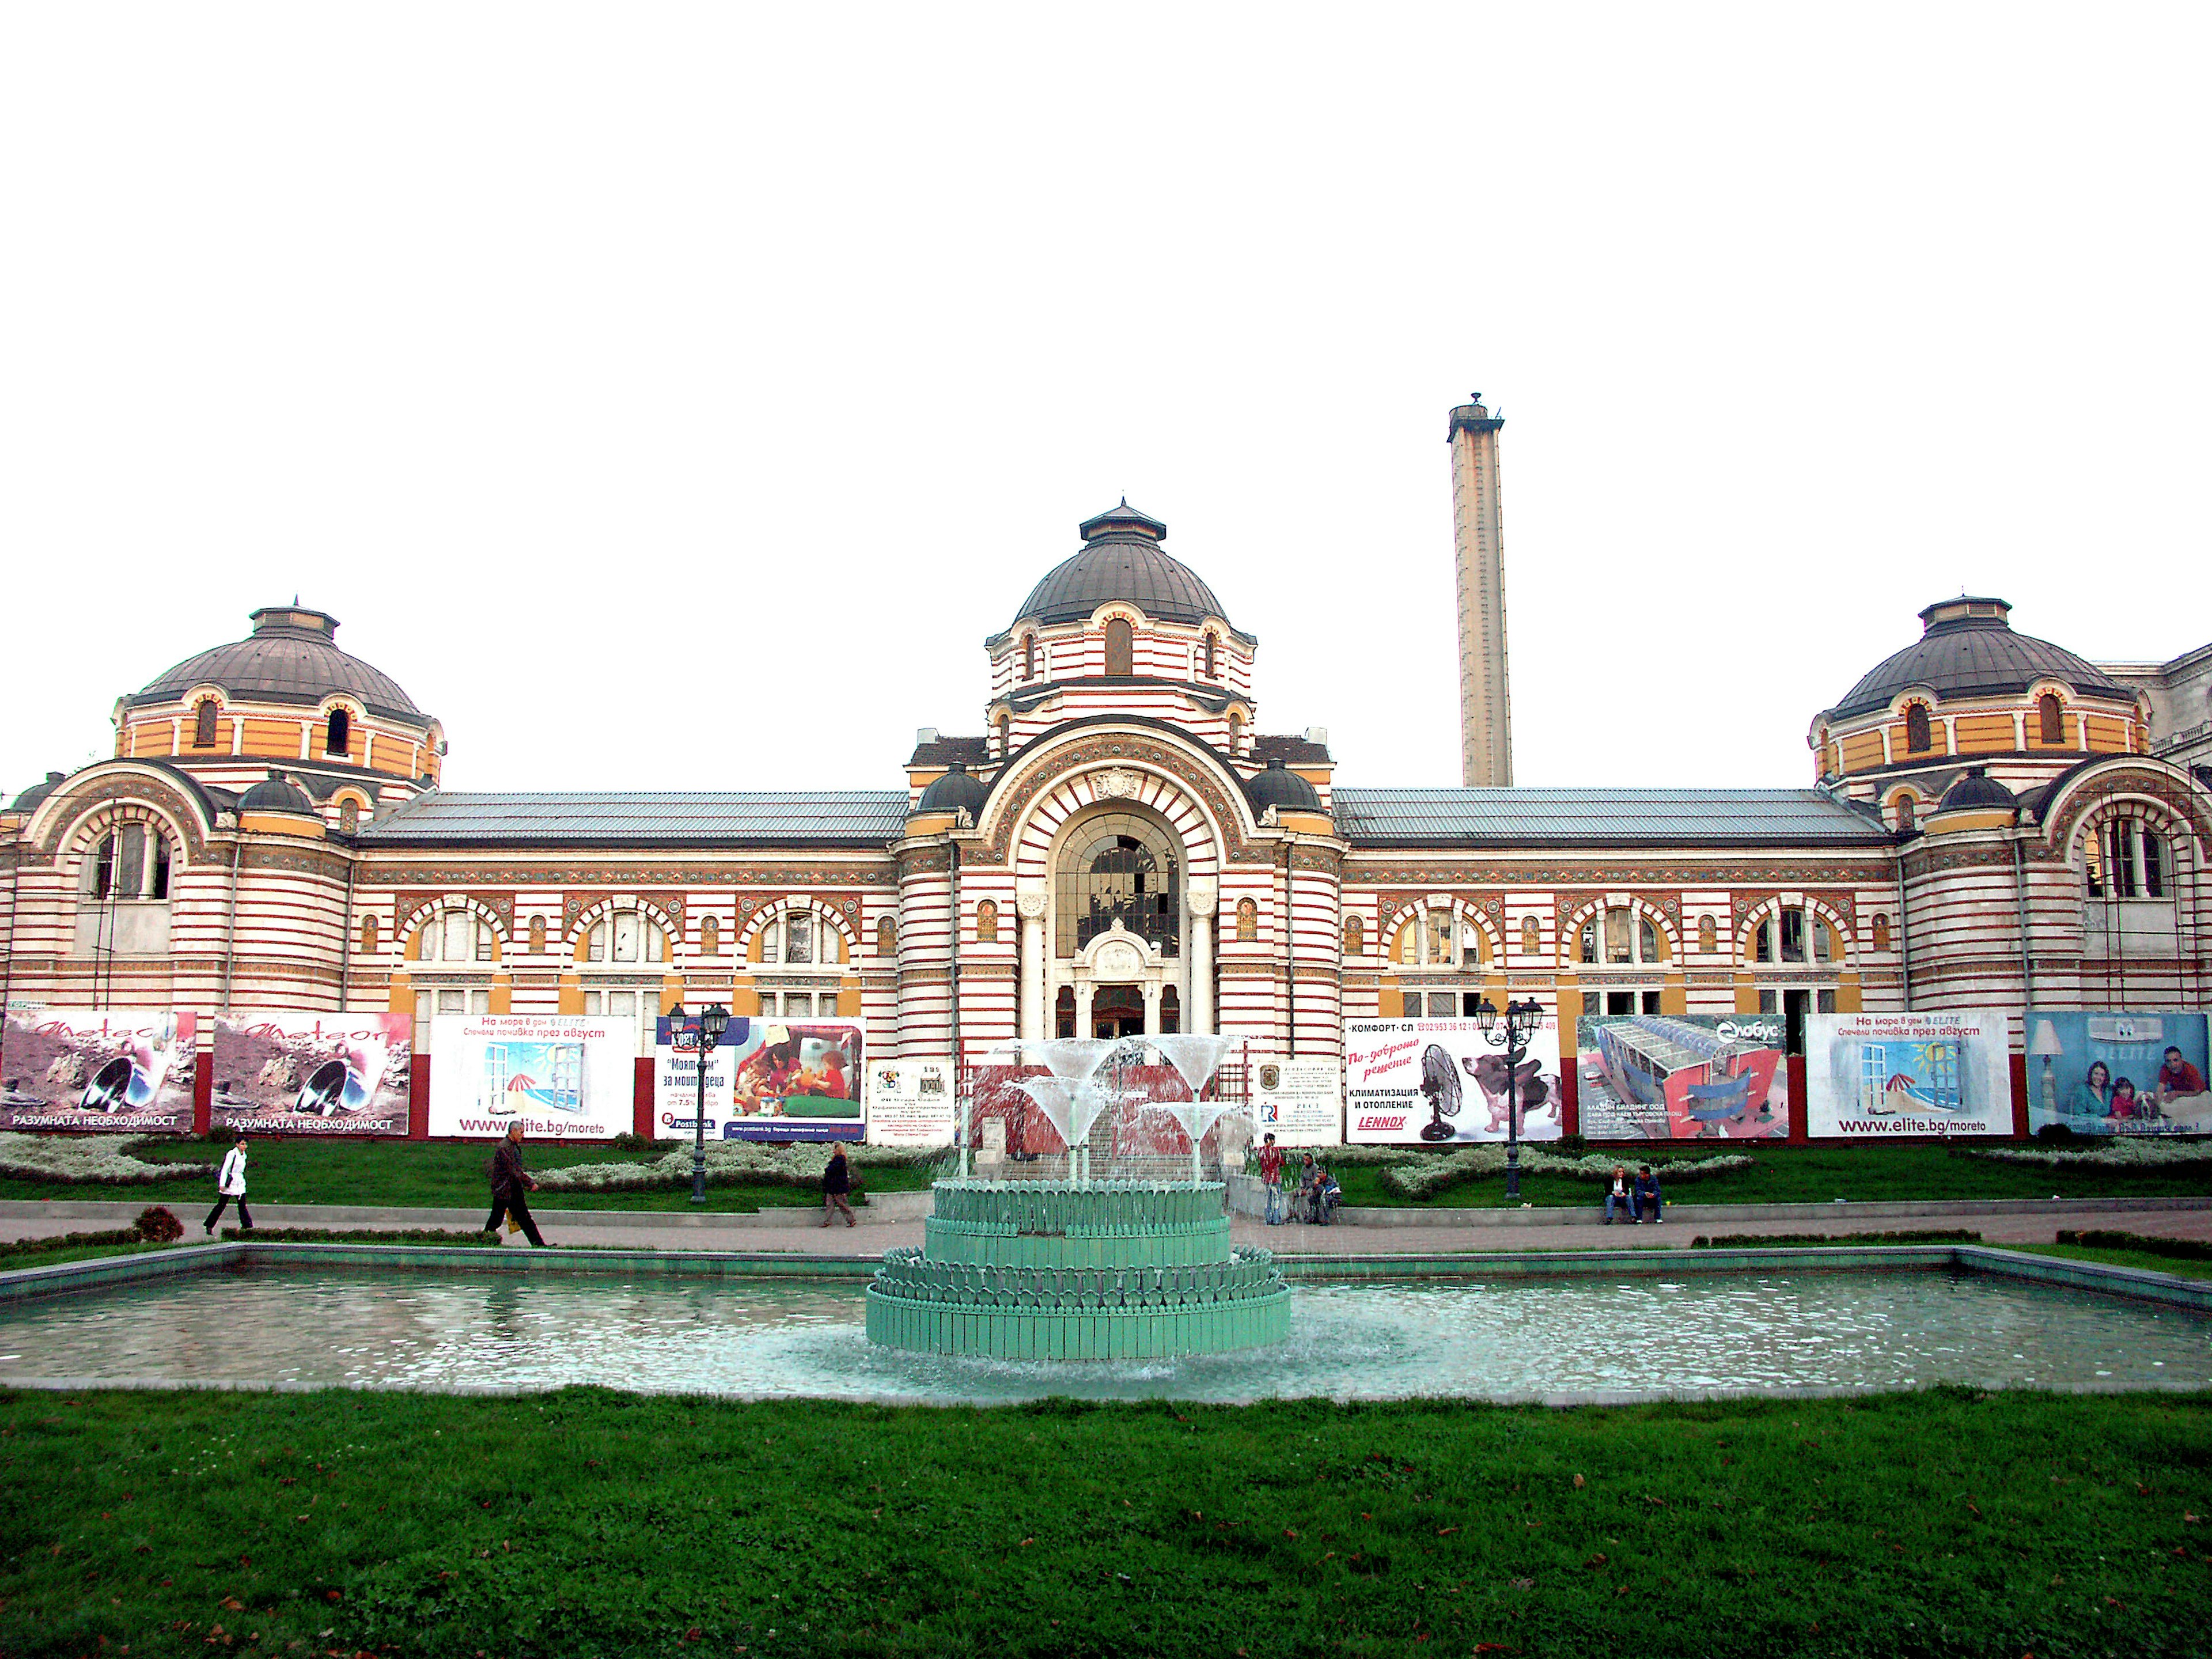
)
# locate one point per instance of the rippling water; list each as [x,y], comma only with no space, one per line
[1518,1338]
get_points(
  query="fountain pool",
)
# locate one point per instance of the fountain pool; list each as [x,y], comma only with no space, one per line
[1512,1337]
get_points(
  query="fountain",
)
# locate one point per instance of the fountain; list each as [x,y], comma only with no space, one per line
[1129,1265]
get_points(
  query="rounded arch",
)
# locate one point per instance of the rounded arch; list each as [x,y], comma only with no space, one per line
[404,934]
[1904,807]
[1769,909]
[59,824]
[828,916]
[2155,788]
[1030,812]
[1570,926]
[592,915]
[1410,914]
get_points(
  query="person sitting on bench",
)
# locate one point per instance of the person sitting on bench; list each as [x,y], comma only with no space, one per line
[1648,1195]
[1618,1193]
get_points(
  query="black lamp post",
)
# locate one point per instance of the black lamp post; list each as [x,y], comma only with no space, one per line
[1522,1019]
[710,1026]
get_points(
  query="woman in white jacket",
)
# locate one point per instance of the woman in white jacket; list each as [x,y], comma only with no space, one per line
[229,1183]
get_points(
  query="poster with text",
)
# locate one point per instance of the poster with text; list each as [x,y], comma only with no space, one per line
[563,1077]
[1299,1102]
[1681,1077]
[279,1072]
[126,1071]
[911,1102]
[2123,1073]
[1441,1081]
[795,1080]
[676,1079]
[1908,1074]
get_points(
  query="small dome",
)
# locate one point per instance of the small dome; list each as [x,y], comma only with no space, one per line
[275,794]
[1976,792]
[38,791]
[291,656]
[1967,648]
[1278,786]
[957,790]
[1122,559]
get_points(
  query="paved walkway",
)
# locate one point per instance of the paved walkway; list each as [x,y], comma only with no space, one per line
[793,1231]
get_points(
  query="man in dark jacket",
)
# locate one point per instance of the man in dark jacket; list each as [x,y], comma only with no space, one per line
[508,1179]
[1647,1194]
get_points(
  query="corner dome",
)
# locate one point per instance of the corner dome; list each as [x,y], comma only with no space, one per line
[30,799]
[1279,786]
[957,790]
[273,793]
[1967,648]
[291,656]
[1122,559]
[1976,792]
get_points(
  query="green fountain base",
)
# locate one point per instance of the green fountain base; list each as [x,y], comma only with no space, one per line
[1104,1271]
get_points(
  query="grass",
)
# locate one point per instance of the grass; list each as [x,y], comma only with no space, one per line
[61,1253]
[2179,1267]
[1810,1175]
[589,1522]
[431,1175]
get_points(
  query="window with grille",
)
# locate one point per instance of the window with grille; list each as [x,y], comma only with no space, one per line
[1918,738]
[1119,867]
[132,862]
[2051,718]
[338,734]
[203,720]
[1120,648]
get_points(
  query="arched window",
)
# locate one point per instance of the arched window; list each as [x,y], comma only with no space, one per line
[1119,867]
[131,862]
[887,937]
[626,937]
[203,720]
[1210,671]
[456,935]
[1029,656]
[1120,648]
[1916,738]
[1532,937]
[1236,734]
[339,733]
[1908,811]
[2051,718]
[1709,938]
[1409,942]
[1881,933]
[538,936]
[1006,736]
[710,938]
[2127,859]
[368,936]
[1248,921]
[987,923]
[349,814]
[1355,936]
[1620,936]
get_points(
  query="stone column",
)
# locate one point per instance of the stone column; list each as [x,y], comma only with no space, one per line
[1151,993]
[1036,1012]
[1204,894]
[1083,990]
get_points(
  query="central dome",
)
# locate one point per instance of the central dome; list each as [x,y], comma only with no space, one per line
[1967,648]
[1122,559]
[291,656]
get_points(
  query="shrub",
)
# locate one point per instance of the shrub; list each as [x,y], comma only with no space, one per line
[1740,1241]
[2109,1152]
[2056,1134]
[2180,1250]
[365,1236]
[734,1163]
[84,1159]
[1438,1172]
[158,1227]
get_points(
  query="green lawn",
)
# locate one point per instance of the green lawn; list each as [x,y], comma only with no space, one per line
[430,1174]
[591,1523]
[1813,1174]
[2179,1266]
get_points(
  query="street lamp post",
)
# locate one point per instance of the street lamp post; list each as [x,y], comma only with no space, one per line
[1522,1019]
[710,1025]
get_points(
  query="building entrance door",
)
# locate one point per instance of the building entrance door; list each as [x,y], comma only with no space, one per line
[1117,1011]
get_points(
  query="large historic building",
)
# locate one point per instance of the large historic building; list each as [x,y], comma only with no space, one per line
[1123,847]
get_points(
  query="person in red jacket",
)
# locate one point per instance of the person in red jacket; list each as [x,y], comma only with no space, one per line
[2178,1077]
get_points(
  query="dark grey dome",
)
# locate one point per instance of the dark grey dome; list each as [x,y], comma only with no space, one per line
[1279,786]
[1968,649]
[38,791]
[290,657]
[274,794]
[1122,559]
[956,790]
[1976,789]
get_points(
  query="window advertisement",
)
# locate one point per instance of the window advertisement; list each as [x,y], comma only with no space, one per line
[1441,1080]
[1908,1074]
[1682,1077]
[795,1080]
[911,1103]
[126,1071]
[563,1077]
[1299,1102]
[292,1073]
[2123,1074]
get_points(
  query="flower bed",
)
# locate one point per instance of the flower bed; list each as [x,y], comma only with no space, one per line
[2122,1153]
[1432,1173]
[734,1163]
[87,1159]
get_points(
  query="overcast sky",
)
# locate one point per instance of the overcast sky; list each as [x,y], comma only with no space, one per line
[676,397]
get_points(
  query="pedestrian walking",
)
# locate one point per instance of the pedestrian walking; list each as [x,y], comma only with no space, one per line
[508,1181]
[836,1183]
[230,1183]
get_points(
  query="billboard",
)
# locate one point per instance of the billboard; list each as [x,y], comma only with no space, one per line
[567,1077]
[911,1103]
[2119,1073]
[1440,1081]
[768,1080]
[1681,1077]
[292,1074]
[126,1071]
[1908,1074]
[1299,1102]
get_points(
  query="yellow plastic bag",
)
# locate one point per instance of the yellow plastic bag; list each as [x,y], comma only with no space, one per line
[513,1226]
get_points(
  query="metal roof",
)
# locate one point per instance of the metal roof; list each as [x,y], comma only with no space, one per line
[1963,654]
[1602,817]
[791,817]
[1122,559]
[289,657]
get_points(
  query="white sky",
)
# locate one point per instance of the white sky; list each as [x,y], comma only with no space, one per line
[676,397]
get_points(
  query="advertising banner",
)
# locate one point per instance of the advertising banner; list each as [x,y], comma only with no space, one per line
[1299,1102]
[2123,1073]
[1682,1077]
[769,1079]
[1440,1081]
[292,1074]
[127,1071]
[1908,1074]
[911,1102]
[569,1077]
